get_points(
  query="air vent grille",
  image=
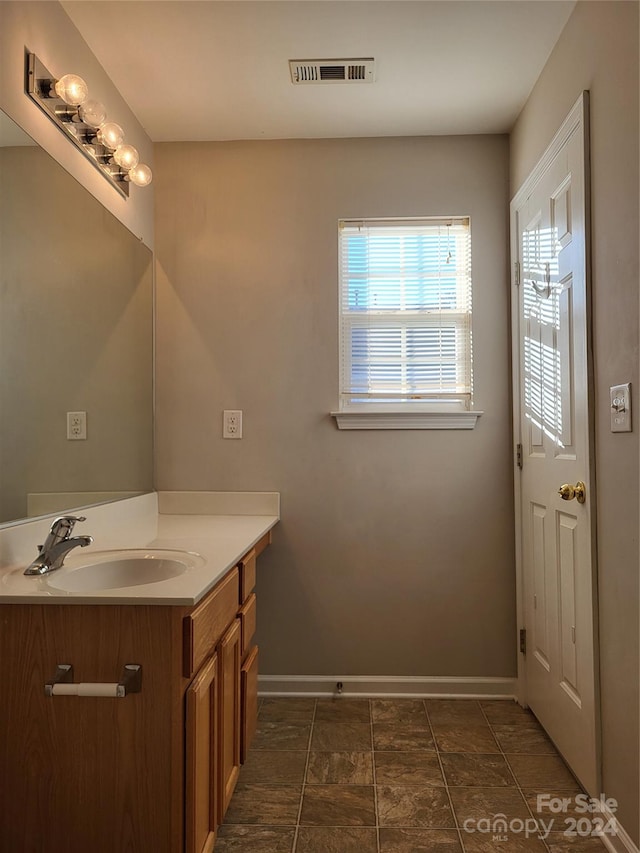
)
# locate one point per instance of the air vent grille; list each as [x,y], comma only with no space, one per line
[332,70]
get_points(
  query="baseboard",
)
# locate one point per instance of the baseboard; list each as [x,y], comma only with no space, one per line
[621,842]
[375,686]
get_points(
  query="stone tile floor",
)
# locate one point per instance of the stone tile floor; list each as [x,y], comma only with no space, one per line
[401,776]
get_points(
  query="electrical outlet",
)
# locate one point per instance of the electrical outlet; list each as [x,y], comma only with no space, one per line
[76,426]
[232,423]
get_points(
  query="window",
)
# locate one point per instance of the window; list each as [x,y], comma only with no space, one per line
[405,323]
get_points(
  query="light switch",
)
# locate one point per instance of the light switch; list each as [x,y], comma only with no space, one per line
[621,407]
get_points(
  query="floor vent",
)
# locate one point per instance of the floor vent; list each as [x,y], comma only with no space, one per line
[332,70]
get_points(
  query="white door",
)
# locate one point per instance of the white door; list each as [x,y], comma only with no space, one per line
[551,332]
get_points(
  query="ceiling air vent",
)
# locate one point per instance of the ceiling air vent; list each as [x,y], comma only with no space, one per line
[332,70]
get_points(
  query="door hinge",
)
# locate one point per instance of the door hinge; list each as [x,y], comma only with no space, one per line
[519,456]
[523,641]
[516,273]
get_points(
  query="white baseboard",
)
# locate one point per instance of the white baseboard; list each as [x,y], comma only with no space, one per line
[375,686]
[621,842]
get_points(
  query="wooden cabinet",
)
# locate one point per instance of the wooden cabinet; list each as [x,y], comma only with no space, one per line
[247,567]
[206,623]
[202,745]
[152,771]
[230,660]
[249,701]
[248,623]
[248,652]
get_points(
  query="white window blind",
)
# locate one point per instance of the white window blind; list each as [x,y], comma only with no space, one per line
[405,312]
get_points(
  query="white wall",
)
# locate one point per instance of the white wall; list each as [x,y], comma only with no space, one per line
[598,51]
[395,553]
[45,29]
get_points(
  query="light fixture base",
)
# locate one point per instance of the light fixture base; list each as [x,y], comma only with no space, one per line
[39,86]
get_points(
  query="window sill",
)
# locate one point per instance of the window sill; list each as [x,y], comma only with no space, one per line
[406,420]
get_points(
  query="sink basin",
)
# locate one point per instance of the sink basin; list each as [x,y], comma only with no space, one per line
[118,569]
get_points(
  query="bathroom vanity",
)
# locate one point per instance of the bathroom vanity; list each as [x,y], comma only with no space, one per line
[155,769]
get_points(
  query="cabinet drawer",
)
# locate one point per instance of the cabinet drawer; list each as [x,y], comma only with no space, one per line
[263,543]
[247,615]
[249,684]
[247,566]
[207,622]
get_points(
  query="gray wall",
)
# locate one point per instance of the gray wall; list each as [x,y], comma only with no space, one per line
[395,552]
[598,50]
[76,334]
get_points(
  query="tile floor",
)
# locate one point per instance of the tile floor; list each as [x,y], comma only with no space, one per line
[399,776]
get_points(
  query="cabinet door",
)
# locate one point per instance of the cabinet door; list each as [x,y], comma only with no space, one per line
[230,722]
[202,759]
[249,682]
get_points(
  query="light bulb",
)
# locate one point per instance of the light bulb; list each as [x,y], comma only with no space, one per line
[72,89]
[92,113]
[111,135]
[140,175]
[126,156]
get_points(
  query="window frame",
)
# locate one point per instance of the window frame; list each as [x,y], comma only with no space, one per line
[453,411]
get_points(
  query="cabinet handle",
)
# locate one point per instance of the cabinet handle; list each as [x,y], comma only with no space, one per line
[62,683]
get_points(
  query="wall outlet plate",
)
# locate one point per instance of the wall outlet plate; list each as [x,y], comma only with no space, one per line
[620,407]
[232,423]
[76,426]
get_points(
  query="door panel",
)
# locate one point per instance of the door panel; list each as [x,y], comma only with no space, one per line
[249,682]
[567,605]
[201,759]
[230,716]
[565,447]
[540,623]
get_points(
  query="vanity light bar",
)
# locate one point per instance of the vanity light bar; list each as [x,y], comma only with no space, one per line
[84,121]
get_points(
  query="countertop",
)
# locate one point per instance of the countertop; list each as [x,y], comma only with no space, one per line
[220,540]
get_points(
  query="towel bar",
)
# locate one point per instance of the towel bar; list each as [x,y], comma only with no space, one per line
[62,683]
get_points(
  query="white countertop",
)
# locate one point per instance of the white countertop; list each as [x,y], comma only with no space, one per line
[220,539]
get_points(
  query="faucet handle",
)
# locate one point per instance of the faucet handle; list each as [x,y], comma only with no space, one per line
[67,521]
[64,524]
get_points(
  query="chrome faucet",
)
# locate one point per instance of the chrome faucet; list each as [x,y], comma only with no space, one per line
[57,545]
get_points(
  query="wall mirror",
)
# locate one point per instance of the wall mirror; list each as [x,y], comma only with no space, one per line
[76,335]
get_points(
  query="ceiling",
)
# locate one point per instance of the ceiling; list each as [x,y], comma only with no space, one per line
[196,70]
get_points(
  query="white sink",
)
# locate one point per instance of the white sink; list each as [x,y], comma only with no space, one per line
[122,568]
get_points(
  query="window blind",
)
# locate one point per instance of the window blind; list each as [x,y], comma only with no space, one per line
[405,311]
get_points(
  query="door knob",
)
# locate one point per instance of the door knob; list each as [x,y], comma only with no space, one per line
[568,492]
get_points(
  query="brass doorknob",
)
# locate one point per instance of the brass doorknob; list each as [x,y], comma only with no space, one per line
[568,492]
